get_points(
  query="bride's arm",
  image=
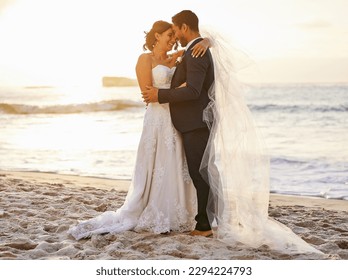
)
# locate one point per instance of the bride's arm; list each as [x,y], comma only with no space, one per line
[201,47]
[182,85]
[143,70]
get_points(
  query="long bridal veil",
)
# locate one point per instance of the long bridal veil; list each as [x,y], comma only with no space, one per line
[236,163]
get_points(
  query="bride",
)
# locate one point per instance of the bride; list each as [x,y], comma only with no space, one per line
[161,197]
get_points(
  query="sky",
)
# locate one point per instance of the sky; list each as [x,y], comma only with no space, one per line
[66,42]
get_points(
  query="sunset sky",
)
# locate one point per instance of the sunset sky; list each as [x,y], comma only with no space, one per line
[65,42]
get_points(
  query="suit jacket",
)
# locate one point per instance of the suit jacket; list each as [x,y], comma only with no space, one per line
[187,103]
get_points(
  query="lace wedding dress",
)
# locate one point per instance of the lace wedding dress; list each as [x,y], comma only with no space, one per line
[161,196]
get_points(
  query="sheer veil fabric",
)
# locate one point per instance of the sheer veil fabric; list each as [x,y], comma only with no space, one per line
[236,163]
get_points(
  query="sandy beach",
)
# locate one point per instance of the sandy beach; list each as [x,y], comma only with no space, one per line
[36,210]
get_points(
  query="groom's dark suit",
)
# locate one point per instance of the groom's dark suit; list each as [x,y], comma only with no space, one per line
[186,109]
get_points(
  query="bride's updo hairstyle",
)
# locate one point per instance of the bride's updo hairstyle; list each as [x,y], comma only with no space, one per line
[150,38]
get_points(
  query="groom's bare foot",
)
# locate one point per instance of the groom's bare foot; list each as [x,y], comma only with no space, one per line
[205,233]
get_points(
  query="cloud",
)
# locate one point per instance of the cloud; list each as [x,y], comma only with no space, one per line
[314,24]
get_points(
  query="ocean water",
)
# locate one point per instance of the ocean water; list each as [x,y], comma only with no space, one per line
[93,131]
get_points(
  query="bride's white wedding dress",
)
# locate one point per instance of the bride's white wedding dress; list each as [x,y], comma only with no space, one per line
[161,196]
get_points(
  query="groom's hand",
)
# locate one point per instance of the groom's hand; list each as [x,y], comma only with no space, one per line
[150,95]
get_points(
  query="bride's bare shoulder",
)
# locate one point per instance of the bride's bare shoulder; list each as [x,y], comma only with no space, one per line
[145,57]
[144,60]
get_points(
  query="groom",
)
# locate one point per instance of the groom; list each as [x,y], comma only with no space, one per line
[187,105]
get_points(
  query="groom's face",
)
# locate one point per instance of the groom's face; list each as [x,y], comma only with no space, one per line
[179,35]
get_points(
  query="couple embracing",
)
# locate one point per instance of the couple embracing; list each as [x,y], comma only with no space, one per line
[199,162]
[167,188]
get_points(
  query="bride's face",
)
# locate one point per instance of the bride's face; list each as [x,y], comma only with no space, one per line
[166,40]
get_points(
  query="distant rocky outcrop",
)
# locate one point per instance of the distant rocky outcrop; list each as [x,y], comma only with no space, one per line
[118,82]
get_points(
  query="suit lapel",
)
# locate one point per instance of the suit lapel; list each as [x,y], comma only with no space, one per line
[178,73]
[180,70]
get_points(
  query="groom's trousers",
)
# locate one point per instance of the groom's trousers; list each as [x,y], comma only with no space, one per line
[195,142]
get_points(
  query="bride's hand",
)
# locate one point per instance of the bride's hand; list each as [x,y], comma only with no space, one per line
[182,85]
[200,48]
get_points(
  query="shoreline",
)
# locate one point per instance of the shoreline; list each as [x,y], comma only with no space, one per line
[89,181]
[122,185]
[37,209]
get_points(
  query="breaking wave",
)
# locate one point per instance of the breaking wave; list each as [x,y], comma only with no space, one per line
[103,106]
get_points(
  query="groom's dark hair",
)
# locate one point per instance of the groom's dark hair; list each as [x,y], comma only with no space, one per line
[188,17]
